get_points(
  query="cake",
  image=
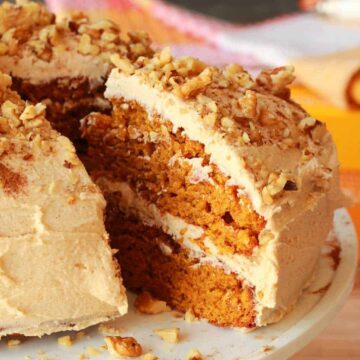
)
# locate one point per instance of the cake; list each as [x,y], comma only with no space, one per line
[62,63]
[220,189]
[57,270]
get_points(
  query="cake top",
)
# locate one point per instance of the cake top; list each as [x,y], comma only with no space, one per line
[245,123]
[49,250]
[32,37]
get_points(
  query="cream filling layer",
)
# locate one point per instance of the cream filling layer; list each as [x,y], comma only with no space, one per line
[277,287]
[63,64]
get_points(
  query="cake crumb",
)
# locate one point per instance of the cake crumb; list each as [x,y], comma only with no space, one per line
[65,341]
[150,356]
[267,348]
[13,343]
[190,316]
[93,351]
[81,357]
[123,346]
[147,304]
[80,335]
[107,329]
[194,354]
[170,335]
[27,357]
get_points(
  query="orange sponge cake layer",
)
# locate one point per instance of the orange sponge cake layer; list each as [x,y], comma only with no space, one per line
[226,167]
[173,173]
[152,261]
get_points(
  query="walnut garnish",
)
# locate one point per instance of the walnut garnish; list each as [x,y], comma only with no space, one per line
[123,64]
[238,75]
[170,335]
[195,84]
[248,104]
[275,185]
[123,346]
[147,304]
[276,80]
[32,111]
[11,111]
[86,47]
[307,122]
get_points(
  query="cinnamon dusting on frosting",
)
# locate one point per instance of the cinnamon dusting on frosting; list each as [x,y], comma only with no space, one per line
[12,182]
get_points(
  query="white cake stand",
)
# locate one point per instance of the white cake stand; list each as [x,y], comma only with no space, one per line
[317,307]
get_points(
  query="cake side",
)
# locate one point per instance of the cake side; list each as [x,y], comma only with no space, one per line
[63,63]
[184,129]
[57,268]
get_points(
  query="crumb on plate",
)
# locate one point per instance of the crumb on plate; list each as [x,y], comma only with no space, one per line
[147,304]
[13,343]
[170,335]
[65,341]
[194,354]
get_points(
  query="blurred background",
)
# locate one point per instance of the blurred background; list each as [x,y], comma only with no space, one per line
[320,38]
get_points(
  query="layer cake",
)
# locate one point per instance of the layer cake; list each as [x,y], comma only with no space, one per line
[220,189]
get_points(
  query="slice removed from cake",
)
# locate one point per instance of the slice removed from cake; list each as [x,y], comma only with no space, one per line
[63,63]
[226,187]
[57,270]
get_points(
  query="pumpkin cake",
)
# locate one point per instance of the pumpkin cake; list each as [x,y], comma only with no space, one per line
[62,63]
[220,189]
[57,270]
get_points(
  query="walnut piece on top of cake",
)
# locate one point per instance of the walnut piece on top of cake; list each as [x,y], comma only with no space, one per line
[57,269]
[226,187]
[62,63]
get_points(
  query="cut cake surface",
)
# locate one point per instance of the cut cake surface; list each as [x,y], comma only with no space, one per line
[216,176]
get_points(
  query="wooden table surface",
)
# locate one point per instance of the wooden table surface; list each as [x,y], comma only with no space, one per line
[341,339]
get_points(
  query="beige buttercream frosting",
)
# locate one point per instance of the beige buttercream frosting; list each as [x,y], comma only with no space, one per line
[269,148]
[38,48]
[57,270]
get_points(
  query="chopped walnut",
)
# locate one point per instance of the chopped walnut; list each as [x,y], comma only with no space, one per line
[123,346]
[195,84]
[170,335]
[276,80]
[239,76]
[194,354]
[248,104]
[123,64]
[86,47]
[227,122]
[11,111]
[146,304]
[32,111]
[275,185]
[307,122]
